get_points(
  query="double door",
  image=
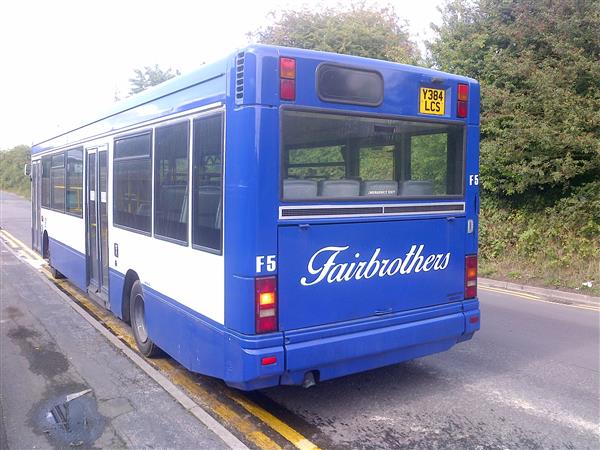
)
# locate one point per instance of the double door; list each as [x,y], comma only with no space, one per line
[97,221]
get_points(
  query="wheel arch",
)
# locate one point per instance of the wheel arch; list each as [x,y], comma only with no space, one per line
[45,245]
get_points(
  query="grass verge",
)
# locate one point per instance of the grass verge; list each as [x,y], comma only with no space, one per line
[556,246]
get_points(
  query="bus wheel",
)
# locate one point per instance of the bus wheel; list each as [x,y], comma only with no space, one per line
[137,314]
[55,273]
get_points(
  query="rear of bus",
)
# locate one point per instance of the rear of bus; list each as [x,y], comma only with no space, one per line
[364,227]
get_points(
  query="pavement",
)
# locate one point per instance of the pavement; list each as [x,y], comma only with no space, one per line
[555,295]
[64,385]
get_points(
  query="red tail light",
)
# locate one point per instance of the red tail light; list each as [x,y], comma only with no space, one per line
[287,82]
[471,276]
[287,89]
[463,98]
[265,289]
[461,109]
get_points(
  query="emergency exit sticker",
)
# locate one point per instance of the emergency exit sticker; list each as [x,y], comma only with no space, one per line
[431,101]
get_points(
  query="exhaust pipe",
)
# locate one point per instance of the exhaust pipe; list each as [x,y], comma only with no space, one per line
[309,380]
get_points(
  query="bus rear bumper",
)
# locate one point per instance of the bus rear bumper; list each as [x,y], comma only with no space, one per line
[350,353]
[347,348]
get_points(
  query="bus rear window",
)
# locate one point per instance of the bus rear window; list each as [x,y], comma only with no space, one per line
[337,156]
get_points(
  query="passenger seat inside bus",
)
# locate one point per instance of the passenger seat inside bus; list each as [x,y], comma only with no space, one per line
[299,189]
[339,188]
[414,188]
[208,207]
[379,188]
[172,201]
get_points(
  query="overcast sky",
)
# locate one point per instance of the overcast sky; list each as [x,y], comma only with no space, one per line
[63,61]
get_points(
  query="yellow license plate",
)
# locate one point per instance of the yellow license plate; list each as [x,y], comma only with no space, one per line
[432,101]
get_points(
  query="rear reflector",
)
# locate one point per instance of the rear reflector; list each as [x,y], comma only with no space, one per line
[265,289]
[474,319]
[268,360]
[471,276]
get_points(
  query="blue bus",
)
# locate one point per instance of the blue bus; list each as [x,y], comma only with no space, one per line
[279,217]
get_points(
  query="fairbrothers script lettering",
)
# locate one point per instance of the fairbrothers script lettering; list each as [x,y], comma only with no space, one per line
[329,271]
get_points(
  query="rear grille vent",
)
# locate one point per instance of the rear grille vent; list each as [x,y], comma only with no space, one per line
[350,211]
[239,78]
[404,209]
[295,212]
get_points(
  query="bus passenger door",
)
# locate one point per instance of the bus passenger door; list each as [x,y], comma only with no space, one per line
[36,198]
[97,223]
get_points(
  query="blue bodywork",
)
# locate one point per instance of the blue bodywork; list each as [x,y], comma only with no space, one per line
[332,329]
[69,262]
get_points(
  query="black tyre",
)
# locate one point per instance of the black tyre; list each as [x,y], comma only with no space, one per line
[137,314]
[55,273]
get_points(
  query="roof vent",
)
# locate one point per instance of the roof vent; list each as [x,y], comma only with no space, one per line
[239,78]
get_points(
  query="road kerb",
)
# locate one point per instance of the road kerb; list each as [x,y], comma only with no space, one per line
[548,294]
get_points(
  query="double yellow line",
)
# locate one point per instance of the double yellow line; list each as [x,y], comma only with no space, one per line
[535,298]
[510,292]
[18,246]
[178,375]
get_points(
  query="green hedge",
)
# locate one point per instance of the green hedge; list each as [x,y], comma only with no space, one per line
[557,245]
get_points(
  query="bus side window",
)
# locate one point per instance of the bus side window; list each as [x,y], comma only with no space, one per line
[132,182]
[171,181]
[207,182]
[46,181]
[75,182]
[57,182]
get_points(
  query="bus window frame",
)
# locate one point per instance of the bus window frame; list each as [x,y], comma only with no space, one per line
[150,128]
[347,101]
[46,158]
[64,167]
[167,123]
[374,198]
[79,147]
[130,134]
[203,115]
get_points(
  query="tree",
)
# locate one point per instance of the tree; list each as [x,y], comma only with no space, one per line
[373,32]
[148,77]
[538,65]
[12,163]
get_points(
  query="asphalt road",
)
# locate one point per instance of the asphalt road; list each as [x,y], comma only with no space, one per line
[15,216]
[529,379]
